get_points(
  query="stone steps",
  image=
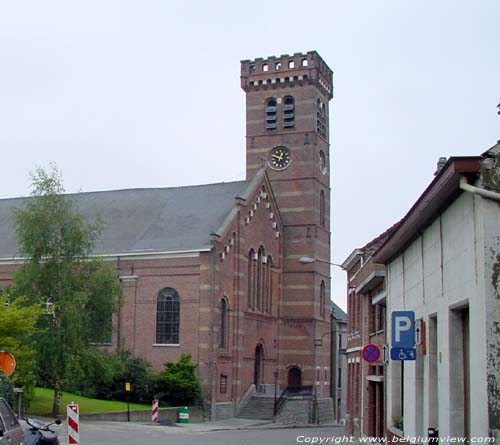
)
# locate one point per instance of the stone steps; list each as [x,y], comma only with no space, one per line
[258,407]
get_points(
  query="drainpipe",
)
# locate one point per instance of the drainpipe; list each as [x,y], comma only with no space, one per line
[464,185]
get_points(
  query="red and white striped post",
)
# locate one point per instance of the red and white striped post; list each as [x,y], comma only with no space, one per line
[73,423]
[154,412]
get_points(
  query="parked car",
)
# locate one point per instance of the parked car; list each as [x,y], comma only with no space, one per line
[11,432]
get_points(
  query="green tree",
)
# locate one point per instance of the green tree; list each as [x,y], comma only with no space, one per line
[180,383]
[17,332]
[80,292]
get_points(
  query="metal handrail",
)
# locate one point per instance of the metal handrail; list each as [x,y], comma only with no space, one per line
[291,391]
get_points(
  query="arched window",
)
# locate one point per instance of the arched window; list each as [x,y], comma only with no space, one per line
[251,282]
[167,317]
[223,324]
[271,116]
[322,208]
[261,277]
[321,119]
[269,283]
[322,292]
[288,112]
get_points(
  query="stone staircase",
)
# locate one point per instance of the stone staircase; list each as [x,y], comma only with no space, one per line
[258,407]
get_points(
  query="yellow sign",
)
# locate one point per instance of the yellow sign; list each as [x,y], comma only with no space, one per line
[127,387]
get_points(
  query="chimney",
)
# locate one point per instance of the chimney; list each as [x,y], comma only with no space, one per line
[440,164]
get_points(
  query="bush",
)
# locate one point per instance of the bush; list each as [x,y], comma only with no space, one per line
[178,383]
[103,375]
[7,389]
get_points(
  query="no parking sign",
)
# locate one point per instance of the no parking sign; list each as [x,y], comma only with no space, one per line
[371,353]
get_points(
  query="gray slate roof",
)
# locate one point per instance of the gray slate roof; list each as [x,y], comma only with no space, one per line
[143,220]
[338,313]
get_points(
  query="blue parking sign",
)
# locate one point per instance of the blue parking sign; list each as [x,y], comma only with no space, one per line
[403,329]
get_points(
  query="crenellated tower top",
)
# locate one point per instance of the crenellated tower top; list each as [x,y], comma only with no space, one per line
[285,71]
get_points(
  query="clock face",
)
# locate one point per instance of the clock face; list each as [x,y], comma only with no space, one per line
[279,158]
[322,162]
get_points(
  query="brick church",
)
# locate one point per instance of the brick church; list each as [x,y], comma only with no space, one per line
[213,270]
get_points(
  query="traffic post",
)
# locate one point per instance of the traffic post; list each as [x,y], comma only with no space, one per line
[154,412]
[128,388]
[73,423]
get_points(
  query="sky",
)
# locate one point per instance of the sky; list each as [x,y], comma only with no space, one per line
[134,94]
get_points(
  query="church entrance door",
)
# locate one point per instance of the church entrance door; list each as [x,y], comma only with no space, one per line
[258,367]
[294,378]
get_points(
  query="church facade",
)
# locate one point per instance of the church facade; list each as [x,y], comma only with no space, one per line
[218,270]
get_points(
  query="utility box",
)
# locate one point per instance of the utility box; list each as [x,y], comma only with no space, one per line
[184,415]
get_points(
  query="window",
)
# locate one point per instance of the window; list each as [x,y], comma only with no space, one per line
[322,208]
[261,277]
[291,64]
[288,112]
[223,324]
[251,68]
[322,299]
[268,290]
[304,62]
[321,119]
[223,384]
[277,66]
[265,67]
[271,116]
[251,282]
[167,317]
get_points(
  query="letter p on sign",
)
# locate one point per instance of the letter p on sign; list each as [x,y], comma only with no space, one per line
[403,329]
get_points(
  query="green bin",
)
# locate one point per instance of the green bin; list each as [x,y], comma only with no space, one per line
[184,415]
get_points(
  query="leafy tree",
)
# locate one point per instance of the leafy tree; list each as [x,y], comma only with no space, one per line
[17,331]
[80,292]
[179,381]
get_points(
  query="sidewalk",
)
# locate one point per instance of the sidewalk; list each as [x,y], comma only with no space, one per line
[243,424]
[180,428]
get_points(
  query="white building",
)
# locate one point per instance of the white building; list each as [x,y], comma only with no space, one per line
[443,262]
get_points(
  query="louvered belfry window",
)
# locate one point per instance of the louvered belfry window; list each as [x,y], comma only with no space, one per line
[271,117]
[288,112]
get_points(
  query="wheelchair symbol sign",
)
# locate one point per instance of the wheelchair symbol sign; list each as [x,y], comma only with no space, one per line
[403,354]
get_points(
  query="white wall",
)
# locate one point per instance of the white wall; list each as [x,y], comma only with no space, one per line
[442,271]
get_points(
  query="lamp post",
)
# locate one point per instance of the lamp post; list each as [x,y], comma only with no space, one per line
[318,342]
[276,374]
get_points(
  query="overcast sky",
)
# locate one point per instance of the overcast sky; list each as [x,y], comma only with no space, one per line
[146,93]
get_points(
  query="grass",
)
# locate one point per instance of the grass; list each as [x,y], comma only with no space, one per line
[41,404]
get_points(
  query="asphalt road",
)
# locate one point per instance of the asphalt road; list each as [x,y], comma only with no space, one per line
[114,433]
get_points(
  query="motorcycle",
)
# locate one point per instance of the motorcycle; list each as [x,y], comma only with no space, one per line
[40,433]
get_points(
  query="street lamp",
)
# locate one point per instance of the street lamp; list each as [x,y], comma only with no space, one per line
[309,260]
[318,342]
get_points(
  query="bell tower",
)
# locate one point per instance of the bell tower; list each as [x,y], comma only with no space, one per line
[287,131]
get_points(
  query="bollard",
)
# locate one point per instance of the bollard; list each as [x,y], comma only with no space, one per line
[433,435]
[73,423]
[154,412]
